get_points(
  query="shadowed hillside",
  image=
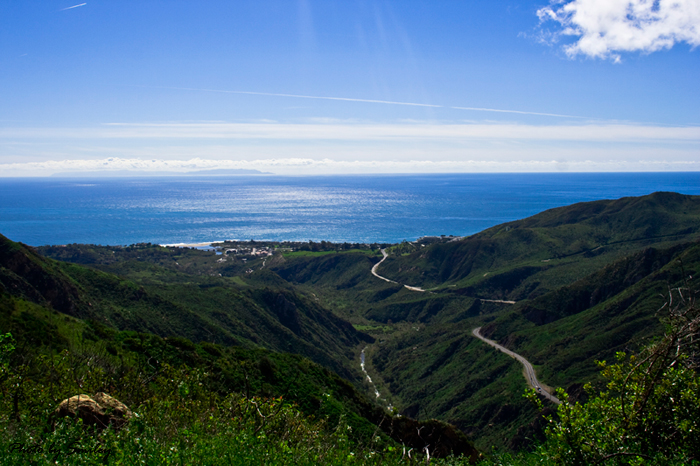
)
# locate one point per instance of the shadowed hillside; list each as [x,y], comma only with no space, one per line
[61,354]
[170,303]
[587,235]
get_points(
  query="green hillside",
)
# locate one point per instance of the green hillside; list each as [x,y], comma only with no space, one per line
[150,372]
[159,299]
[525,258]
[563,288]
[561,333]
[588,280]
[615,309]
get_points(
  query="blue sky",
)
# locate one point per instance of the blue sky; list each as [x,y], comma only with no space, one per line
[343,86]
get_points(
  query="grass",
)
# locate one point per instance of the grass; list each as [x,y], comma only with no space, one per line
[366,252]
[178,421]
[468,382]
[372,329]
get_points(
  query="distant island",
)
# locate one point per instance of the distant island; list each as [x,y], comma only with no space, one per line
[130,173]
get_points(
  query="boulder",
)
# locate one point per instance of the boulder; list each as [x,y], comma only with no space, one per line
[100,410]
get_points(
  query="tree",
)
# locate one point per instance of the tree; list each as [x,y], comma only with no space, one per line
[650,410]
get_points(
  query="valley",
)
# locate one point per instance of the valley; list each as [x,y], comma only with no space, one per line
[418,330]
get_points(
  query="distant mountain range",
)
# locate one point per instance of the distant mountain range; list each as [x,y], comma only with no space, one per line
[140,173]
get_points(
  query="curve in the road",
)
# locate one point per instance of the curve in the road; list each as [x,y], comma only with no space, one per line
[376,266]
[500,301]
[530,375]
[529,370]
[374,272]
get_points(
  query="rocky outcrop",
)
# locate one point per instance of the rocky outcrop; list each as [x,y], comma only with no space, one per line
[100,410]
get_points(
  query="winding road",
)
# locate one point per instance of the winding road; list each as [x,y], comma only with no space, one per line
[529,370]
[376,266]
[374,272]
[530,375]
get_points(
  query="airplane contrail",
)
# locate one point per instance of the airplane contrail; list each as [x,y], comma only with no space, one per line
[299,96]
[515,111]
[71,7]
[371,101]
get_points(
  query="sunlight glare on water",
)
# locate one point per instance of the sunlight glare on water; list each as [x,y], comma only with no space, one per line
[332,208]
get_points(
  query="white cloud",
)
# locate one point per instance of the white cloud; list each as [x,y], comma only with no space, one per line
[409,132]
[348,147]
[604,28]
[295,166]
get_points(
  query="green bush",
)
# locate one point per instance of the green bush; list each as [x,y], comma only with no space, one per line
[649,412]
[178,419]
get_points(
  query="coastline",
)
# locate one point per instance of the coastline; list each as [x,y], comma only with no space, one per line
[190,245]
[336,209]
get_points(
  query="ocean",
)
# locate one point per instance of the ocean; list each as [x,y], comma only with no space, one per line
[381,208]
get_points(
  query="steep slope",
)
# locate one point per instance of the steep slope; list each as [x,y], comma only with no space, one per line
[133,365]
[139,368]
[24,273]
[525,258]
[213,309]
[562,333]
[615,309]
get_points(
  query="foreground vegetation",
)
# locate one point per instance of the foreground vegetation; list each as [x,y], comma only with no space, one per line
[649,414]
[179,420]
